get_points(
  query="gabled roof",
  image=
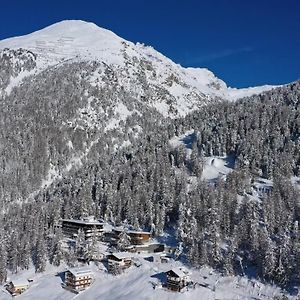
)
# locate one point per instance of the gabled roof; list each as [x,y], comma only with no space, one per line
[138,232]
[130,231]
[122,255]
[83,222]
[81,272]
[20,282]
[178,272]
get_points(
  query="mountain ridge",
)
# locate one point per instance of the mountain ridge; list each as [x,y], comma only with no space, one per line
[74,40]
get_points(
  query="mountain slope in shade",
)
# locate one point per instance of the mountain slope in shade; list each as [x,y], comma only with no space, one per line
[73,41]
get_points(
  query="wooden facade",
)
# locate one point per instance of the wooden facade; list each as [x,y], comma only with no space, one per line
[78,280]
[117,262]
[139,238]
[177,279]
[89,226]
[136,237]
[17,287]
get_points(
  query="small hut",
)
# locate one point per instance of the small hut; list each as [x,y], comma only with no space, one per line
[17,287]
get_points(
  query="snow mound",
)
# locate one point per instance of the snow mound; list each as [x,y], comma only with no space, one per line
[217,162]
[216,167]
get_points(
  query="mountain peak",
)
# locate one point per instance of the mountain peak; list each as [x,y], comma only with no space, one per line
[76,28]
[79,40]
[67,39]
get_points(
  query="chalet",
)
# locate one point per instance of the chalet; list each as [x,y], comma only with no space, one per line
[17,287]
[90,227]
[119,261]
[78,279]
[136,237]
[147,248]
[177,279]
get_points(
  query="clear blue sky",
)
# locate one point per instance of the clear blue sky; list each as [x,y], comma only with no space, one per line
[243,42]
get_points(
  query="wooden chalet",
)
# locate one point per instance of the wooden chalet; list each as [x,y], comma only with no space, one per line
[136,237]
[90,227]
[17,287]
[78,279]
[177,279]
[119,261]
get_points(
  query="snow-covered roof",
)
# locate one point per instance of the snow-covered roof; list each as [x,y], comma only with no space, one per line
[122,255]
[86,221]
[262,182]
[167,255]
[180,272]
[148,244]
[130,231]
[20,282]
[107,227]
[81,271]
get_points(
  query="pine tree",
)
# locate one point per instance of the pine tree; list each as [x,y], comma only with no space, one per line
[268,261]
[124,241]
[80,243]
[57,249]
[3,262]
[40,257]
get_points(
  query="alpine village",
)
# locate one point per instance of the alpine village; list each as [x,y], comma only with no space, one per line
[112,249]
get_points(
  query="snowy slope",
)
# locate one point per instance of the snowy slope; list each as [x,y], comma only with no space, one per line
[73,40]
[213,167]
[67,39]
[138,284]
[216,167]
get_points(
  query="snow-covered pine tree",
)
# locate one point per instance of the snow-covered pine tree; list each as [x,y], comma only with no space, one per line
[124,241]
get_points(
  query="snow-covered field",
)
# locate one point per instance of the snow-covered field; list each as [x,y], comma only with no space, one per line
[143,283]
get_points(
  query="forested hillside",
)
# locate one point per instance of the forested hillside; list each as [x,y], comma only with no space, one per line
[131,173]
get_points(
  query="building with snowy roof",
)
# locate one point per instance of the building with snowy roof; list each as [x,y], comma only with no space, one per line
[17,287]
[89,225]
[136,237]
[177,279]
[119,261]
[78,279]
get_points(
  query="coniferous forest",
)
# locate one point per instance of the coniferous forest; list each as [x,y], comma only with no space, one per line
[134,175]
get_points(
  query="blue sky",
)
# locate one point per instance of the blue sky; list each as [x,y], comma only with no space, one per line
[245,43]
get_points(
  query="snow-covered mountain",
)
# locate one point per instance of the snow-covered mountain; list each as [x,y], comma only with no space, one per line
[184,89]
[69,84]
[91,124]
